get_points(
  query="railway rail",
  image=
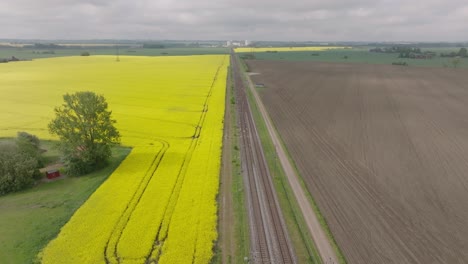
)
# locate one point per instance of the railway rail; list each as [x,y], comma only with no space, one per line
[270,242]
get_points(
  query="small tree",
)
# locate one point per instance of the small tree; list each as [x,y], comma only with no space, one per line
[29,145]
[86,131]
[456,62]
[463,53]
[18,170]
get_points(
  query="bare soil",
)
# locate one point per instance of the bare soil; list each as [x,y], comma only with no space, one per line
[382,149]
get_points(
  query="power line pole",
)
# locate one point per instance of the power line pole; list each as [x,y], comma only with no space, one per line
[117,53]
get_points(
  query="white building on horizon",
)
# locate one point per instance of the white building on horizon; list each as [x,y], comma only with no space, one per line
[237,43]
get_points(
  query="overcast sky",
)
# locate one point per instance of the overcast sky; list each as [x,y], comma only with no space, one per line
[287,20]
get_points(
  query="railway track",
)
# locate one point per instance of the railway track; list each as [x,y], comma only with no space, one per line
[269,238]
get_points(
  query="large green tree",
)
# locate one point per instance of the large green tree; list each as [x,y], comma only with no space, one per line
[86,131]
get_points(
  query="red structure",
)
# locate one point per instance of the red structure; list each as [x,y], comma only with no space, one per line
[52,174]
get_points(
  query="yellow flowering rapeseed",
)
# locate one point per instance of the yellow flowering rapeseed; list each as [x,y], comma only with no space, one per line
[265,49]
[160,203]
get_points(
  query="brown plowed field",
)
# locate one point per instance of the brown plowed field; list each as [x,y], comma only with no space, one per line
[384,152]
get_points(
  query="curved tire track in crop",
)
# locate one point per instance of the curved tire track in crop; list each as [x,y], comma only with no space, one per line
[110,251]
[163,229]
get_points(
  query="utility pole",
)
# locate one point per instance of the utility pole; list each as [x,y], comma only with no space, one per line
[117,53]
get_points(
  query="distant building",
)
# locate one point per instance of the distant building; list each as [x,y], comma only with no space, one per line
[237,43]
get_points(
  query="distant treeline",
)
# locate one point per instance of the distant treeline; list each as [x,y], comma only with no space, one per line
[13,58]
[461,53]
[153,46]
[45,46]
[421,44]
[406,52]
[397,49]
[416,53]
[148,45]
[52,46]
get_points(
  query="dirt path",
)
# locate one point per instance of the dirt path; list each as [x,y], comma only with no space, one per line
[321,240]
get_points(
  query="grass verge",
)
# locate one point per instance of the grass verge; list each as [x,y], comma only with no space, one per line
[31,218]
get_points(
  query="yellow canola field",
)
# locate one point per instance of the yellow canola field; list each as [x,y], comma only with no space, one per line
[160,203]
[318,48]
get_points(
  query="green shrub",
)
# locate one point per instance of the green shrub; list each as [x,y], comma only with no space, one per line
[30,145]
[18,170]
[400,63]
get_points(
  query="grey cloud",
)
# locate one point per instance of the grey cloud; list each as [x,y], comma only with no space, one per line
[333,20]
